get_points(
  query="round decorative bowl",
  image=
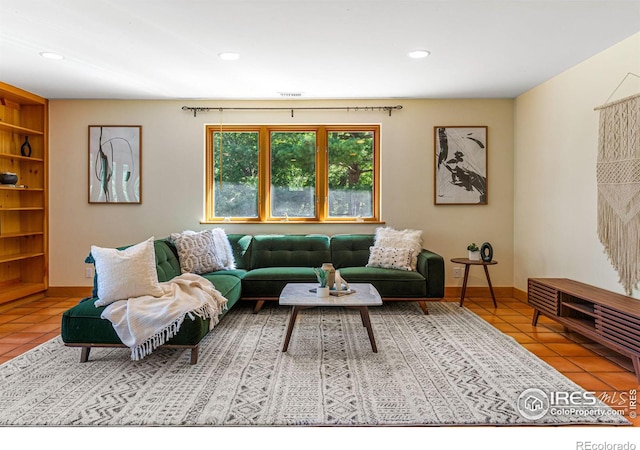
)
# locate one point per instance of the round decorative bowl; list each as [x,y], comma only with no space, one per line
[8,178]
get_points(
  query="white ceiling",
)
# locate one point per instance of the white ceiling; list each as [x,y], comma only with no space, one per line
[168,49]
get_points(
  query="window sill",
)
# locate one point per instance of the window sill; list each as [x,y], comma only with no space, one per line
[294,222]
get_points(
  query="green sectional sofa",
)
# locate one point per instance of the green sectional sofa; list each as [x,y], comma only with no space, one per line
[264,265]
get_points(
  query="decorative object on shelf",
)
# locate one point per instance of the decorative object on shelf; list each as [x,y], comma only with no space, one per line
[331,277]
[25,149]
[617,180]
[8,178]
[322,275]
[486,252]
[474,252]
[115,154]
[460,165]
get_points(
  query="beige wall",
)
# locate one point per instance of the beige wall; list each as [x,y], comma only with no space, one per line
[172,179]
[556,138]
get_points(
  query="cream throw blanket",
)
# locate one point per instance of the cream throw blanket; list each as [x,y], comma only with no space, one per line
[145,323]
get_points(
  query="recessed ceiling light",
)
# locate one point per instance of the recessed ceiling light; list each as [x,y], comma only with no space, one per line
[229,56]
[418,54]
[51,55]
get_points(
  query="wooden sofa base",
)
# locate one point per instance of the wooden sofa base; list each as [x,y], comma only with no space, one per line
[422,302]
[86,349]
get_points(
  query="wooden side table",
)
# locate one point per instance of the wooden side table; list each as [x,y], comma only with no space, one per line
[472,262]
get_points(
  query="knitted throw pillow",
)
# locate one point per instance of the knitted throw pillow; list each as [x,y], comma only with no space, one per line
[196,252]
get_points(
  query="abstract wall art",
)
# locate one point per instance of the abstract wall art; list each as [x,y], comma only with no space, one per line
[460,165]
[115,164]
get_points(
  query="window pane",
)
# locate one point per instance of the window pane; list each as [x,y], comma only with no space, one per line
[235,171]
[293,174]
[351,174]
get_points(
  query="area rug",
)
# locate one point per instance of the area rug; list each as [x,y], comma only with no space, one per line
[446,368]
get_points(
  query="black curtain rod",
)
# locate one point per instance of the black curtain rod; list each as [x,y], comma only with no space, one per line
[197,109]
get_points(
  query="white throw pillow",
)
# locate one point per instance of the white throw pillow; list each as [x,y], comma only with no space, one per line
[222,248]
[196,252]
[389,237]
[123,274]
[390,258]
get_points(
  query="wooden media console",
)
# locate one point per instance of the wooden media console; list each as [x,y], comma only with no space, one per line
[610,319]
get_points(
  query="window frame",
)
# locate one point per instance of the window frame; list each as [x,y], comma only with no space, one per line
[264,173]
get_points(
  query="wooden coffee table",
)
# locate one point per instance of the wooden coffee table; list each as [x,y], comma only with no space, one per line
[299,297]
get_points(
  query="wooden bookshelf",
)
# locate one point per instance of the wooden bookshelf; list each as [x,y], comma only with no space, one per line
[23,207]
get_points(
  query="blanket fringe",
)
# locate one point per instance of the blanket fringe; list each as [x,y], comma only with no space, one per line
[162,336]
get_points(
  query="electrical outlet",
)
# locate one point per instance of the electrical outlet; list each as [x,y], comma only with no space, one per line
[88,272]
[456,272]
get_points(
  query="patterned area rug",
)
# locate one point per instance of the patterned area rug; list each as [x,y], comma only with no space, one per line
[447,368]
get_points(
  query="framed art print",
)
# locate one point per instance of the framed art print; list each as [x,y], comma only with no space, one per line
[114,164]
[460,165]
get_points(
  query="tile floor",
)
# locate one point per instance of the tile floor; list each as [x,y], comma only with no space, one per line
[26,324]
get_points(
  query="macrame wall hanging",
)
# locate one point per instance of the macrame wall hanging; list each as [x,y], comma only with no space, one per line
[618,178]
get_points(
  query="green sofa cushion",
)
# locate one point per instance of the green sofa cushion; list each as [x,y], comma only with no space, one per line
[228,283]
[269,281]
[350,250]
[389,282]
[277,250]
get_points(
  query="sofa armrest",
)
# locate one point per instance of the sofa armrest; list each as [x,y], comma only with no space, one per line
[431,266]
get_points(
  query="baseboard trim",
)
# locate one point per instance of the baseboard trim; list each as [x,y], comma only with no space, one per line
[520,295]
[69,291]
[479,291]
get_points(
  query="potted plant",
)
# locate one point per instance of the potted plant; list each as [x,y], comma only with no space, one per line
[323,277]
[474,252]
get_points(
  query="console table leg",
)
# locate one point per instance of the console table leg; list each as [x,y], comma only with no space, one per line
[536,314]
[486,272]
[636,366]
[464,284]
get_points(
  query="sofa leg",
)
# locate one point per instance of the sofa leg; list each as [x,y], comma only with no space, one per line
[84,354]
[423,306]
[194,355]
[258,306]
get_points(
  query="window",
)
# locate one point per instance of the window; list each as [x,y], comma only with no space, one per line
[311,173]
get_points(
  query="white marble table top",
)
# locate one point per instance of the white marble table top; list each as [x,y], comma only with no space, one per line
[298,294]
